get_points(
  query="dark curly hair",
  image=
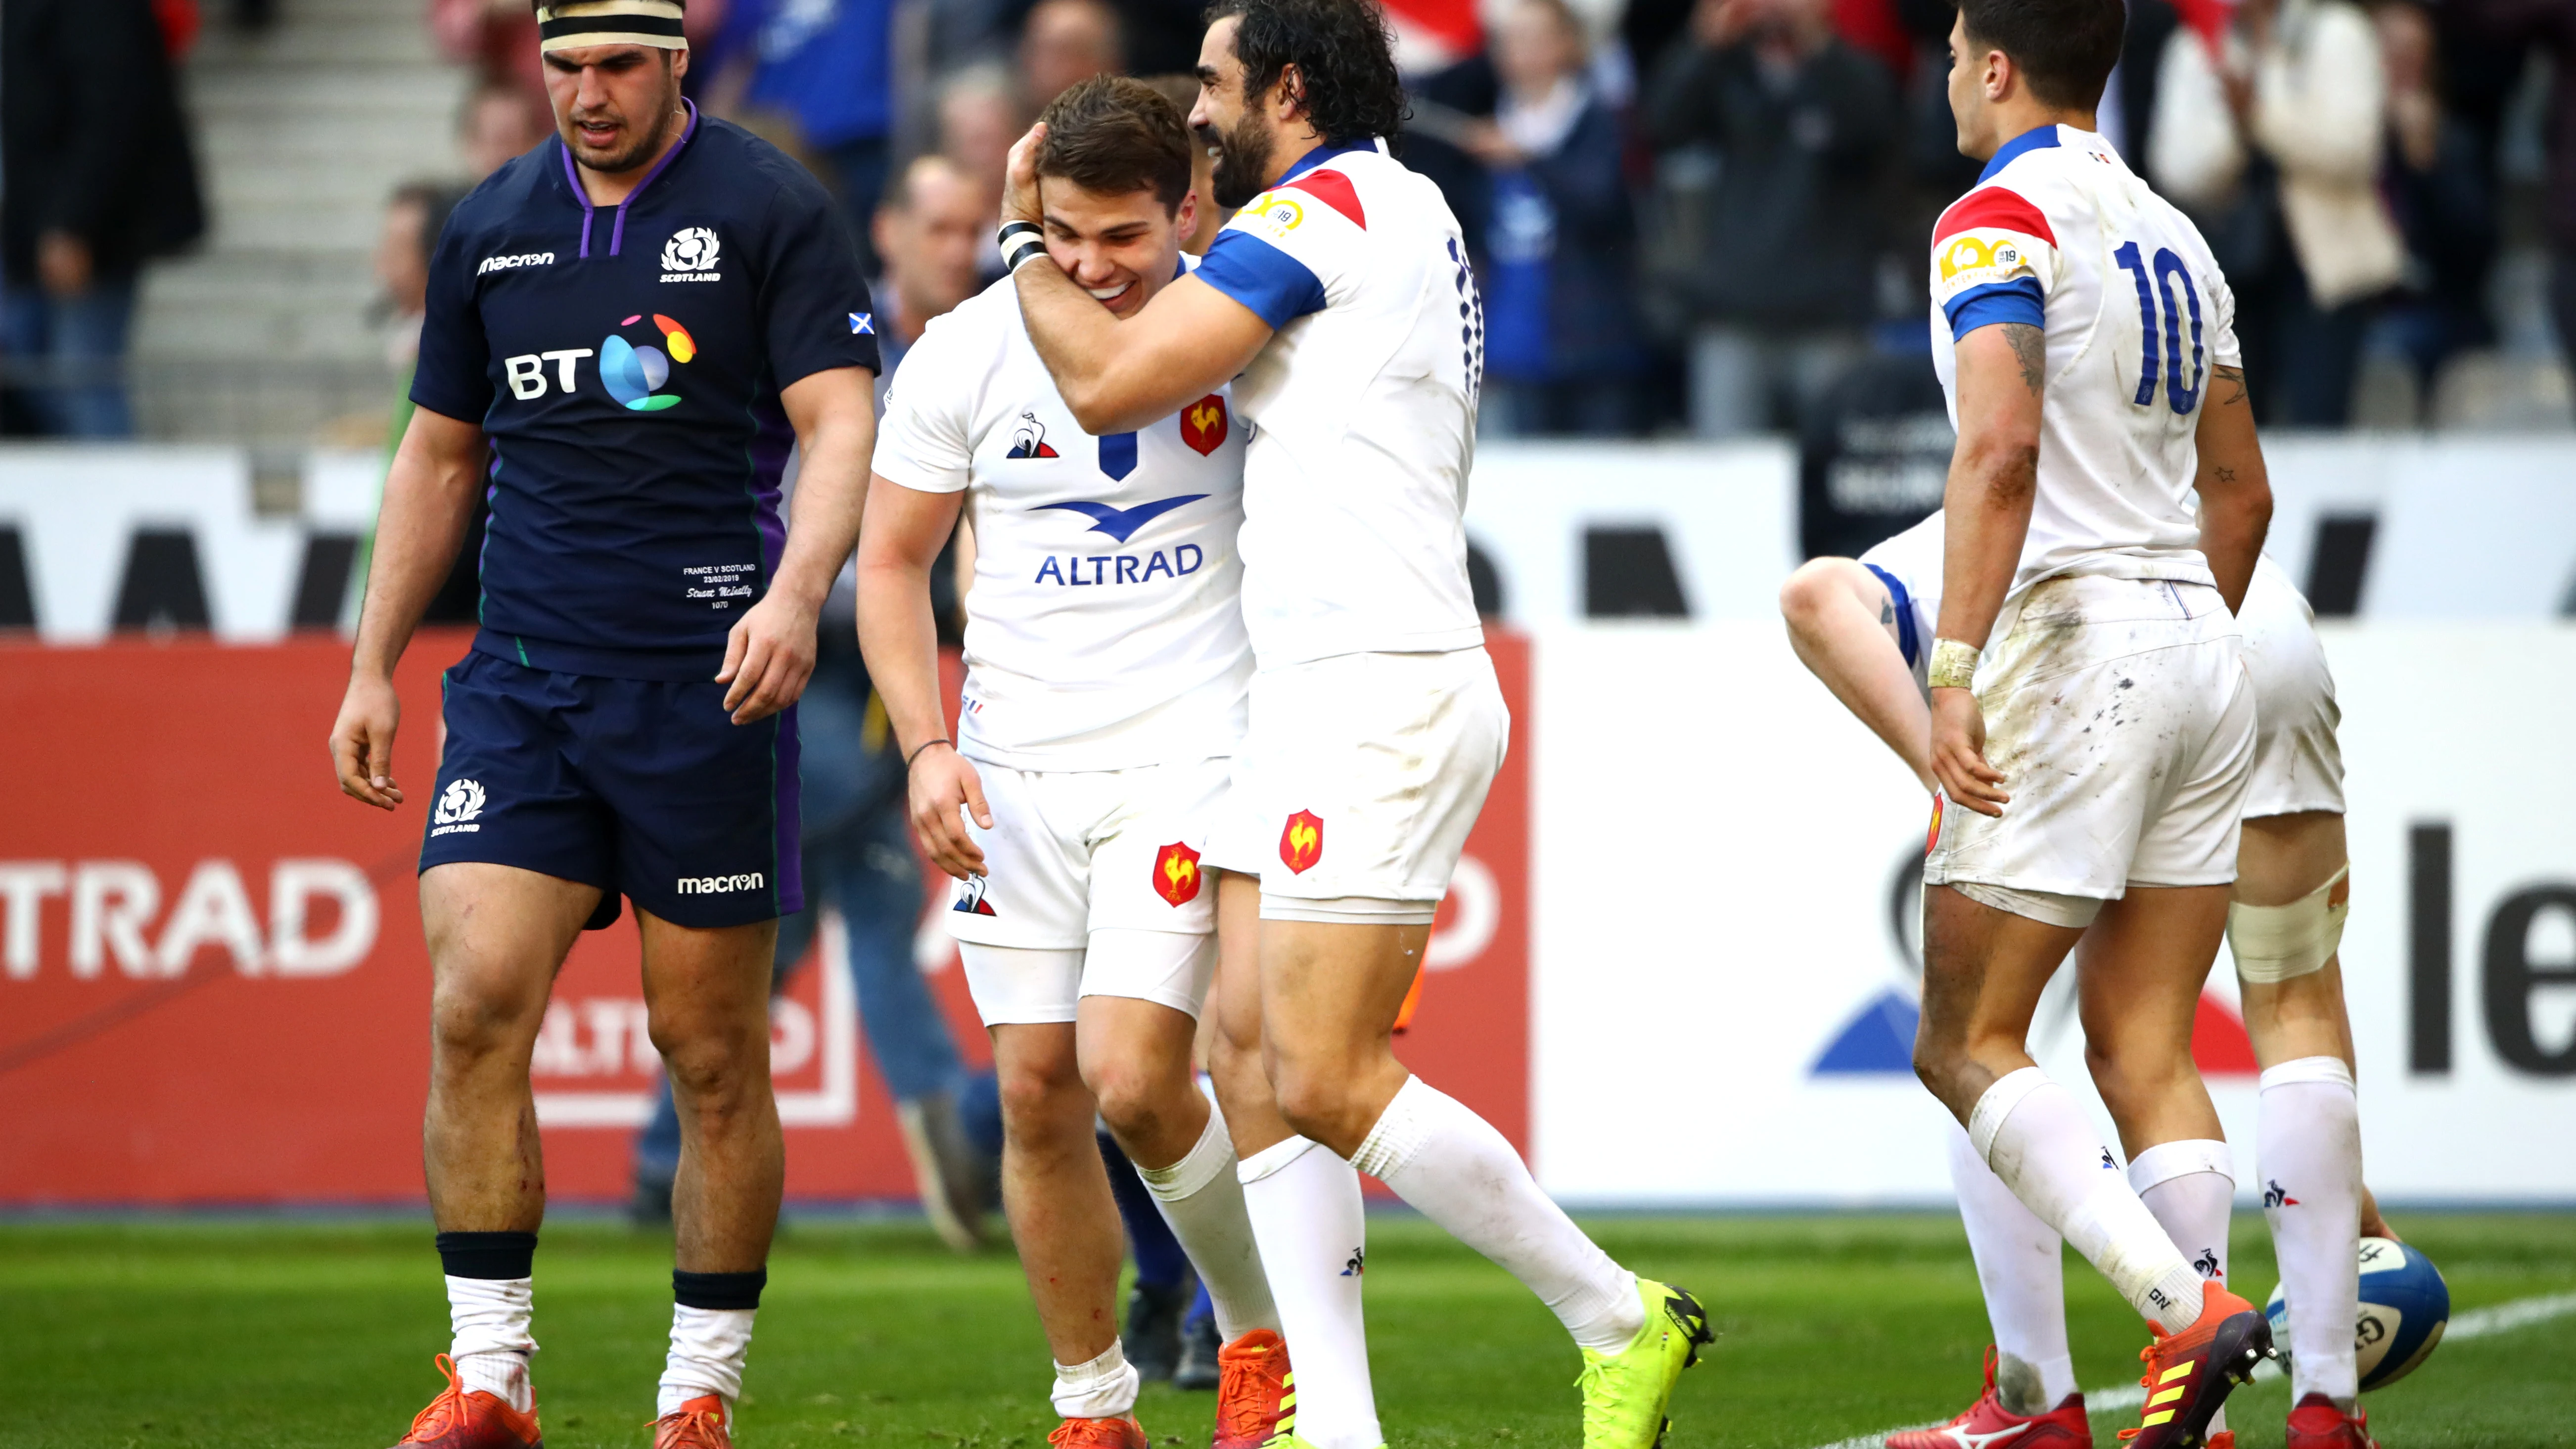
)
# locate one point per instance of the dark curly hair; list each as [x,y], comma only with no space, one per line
[1343,56]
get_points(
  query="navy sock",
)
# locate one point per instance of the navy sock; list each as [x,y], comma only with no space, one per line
[718,1290]
[487,1255]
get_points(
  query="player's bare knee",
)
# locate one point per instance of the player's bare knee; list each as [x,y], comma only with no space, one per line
[710,1071]
[473,1019]
[1134,1099]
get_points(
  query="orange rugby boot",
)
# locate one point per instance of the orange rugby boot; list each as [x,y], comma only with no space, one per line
[2315,1423]
[697,1424]
[2191,1373]
[1253,1401]
[1120,1433]
[461,1418]
[1988,1422]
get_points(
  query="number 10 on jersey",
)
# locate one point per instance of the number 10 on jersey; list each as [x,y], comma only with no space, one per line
[2154,288]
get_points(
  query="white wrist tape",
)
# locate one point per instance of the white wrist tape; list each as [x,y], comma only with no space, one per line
[2275,943]
[1954,665]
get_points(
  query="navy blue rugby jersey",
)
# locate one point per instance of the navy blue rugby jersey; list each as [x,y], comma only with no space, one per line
[625,364]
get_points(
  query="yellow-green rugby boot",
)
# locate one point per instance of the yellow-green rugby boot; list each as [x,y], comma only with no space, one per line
[1287,1437]
[1625,1393]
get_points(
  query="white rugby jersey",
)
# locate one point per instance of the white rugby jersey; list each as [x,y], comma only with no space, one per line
[2060,234]
[1363,409]
[1103,630]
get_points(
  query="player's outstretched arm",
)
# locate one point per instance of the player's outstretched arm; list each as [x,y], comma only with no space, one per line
[1117,376]
[769,654]
[1994,476]
[899,544]
[2235,489]
[1839,615]
[429,498]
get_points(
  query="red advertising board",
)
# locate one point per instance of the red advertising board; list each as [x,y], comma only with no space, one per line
[213,988]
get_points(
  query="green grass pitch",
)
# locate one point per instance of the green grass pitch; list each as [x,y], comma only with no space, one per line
[296,1333]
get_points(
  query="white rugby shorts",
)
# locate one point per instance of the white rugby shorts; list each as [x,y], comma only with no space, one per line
[2121,717]
[1075,853]
[1359,780]
[2298,765]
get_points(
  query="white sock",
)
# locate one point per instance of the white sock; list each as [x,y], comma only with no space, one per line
[708,1346]
[2022,1268]
[489,1318]
[2308,1141]
[1104,1388]
[1304,1203]
[1202,1198]
[2190,1185]
[2035,1137]
[1459,1172]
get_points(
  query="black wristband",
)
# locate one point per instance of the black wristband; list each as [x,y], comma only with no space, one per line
[1012,229]
[1029,250]
[926,744]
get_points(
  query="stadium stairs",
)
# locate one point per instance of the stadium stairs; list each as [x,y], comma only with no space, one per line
[265,334]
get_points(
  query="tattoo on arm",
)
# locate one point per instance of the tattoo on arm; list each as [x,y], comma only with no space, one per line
[2225,475]
[2030,349]
[2234,377]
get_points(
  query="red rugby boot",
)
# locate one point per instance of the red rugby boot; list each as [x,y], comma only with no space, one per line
[2315,1423]
[1987,1424]
[1119,1433]
[697,1424]
[2191,1373]
[1252,1394]
[471,1419]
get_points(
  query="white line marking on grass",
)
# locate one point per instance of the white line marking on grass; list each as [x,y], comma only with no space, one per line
[2120,1398]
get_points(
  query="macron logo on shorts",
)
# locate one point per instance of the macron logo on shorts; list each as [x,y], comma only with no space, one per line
[721,885]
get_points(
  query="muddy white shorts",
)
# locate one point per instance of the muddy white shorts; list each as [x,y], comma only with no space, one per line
[2298,765]
[1359,780]
[2119,713]
[1077,864]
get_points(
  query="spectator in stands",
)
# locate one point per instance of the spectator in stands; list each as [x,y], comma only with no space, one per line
[2284,169]
[496,125]
[1065,42]
[97,177]
[1803,128]
[980,115]
[2549,27]
[2442,197]
[931,232]
[1562,350]
[824,68]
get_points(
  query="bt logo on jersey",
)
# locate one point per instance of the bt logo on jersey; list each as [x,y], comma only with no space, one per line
[630,373]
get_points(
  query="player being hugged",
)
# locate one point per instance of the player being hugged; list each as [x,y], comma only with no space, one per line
[637,318]
[1865,627]
[1339,302]
[2092,727]
[1106,673]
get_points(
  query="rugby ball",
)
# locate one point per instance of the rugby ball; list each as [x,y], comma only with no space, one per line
[2405,1305]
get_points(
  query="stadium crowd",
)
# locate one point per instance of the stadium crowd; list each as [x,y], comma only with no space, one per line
[1701,215]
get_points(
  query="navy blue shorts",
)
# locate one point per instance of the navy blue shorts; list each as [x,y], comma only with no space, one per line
[643,788]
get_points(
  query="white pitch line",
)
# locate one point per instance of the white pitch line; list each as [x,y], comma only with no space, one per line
[2118,1398]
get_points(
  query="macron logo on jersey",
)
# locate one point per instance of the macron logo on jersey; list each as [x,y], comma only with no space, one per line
[510,264]
[1121,523]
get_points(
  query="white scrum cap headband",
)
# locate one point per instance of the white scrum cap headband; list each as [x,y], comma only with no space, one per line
[610,22]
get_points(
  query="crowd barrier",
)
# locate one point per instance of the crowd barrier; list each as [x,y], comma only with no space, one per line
[213,988]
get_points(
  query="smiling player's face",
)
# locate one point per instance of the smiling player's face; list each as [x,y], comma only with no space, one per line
[1120,248]
[614,104]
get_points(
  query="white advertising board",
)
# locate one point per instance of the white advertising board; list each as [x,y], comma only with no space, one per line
[1719,856]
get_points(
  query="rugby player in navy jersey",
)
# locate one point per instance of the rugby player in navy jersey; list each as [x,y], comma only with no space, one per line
[627,329]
